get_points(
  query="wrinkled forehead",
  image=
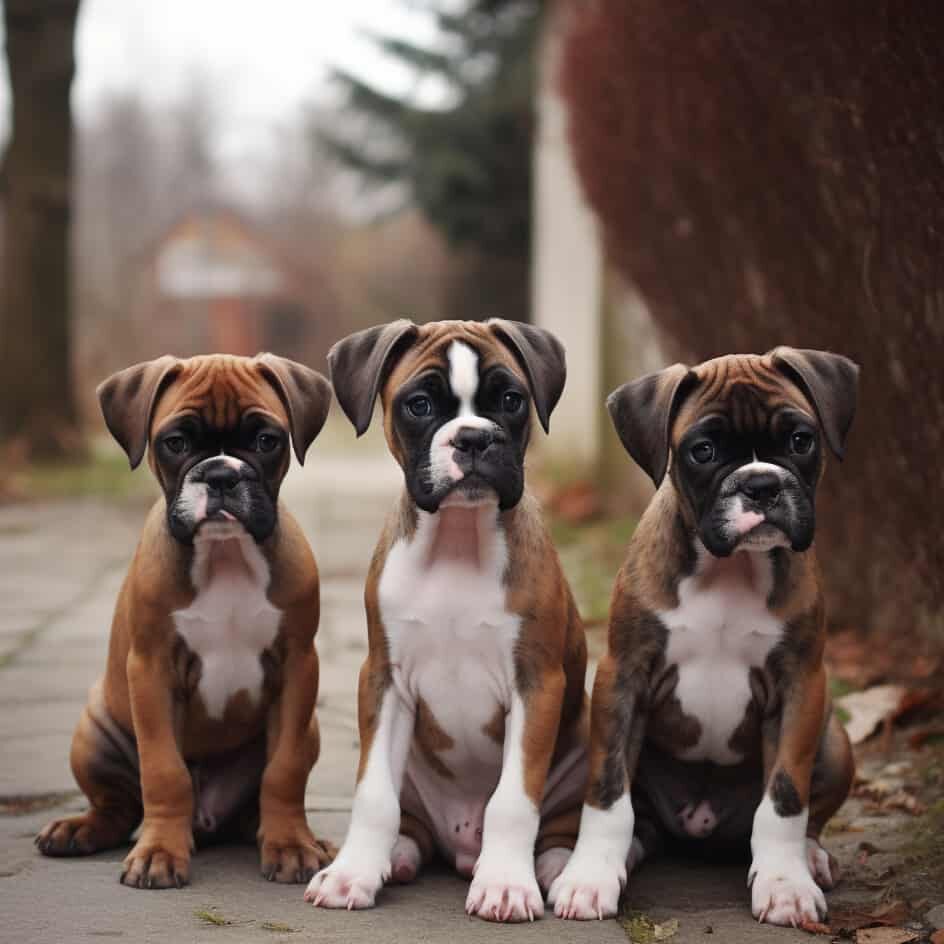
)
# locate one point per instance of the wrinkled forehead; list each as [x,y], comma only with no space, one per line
[220,390]
[746,388]
[461,351]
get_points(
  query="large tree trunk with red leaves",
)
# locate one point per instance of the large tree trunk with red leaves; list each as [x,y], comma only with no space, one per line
[37,402]
[773,173]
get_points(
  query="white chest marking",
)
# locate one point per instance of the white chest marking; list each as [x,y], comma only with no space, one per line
[451,639]
[231,621]
[718,632]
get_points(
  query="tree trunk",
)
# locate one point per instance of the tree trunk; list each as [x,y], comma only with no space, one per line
[37,401]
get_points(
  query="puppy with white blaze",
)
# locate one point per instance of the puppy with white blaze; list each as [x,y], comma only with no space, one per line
[710,717]
[471,701]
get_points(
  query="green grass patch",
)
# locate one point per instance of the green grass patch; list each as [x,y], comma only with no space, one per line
[278,926]
[103,473]
[591,555]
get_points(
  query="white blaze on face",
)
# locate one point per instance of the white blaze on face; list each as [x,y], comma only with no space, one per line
[463,375]
[464,383]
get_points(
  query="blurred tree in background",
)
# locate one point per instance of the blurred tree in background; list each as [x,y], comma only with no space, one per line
[466,164]
[774,173]
[38,407]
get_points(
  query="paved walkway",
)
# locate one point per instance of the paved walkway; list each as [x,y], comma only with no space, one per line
[60,568]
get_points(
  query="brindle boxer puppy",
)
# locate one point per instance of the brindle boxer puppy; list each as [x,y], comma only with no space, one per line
[711,701]
[471,699]
[204,721]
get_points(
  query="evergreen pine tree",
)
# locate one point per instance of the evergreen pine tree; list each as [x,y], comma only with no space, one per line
[466,165]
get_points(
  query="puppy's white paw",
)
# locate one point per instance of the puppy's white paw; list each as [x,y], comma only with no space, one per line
[823,866]
[588,888]
[549,864]
[504,892]
[346,884]
[783,892]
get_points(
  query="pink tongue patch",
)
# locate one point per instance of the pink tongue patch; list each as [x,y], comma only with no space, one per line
[747,521]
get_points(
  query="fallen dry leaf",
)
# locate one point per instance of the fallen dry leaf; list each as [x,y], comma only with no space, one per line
[886,936]
[868,709]
[905,802]
[852,919]
[938,937]
[814,927]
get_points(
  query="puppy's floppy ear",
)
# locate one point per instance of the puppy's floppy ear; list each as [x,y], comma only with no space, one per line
[361,362]
[831,382]
[306,395]
[642,412]
[128,399]
[542,357]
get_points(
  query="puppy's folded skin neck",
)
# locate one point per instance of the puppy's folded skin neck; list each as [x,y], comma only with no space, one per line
[461,534]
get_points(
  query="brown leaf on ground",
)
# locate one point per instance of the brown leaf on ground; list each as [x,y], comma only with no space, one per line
[917,740]
[852,919]
[814,927]
[886,936]
[938,937]
[905,802]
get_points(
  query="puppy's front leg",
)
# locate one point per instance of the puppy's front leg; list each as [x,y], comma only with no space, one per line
[363,864]
[591,883]
[289,851]
[783,890]
[505,887]
[161,856]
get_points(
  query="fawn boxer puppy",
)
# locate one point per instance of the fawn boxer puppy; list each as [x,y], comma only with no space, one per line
[471,699]
[710,718]
[204,720]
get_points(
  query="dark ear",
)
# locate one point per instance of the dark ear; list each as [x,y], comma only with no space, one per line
[306,395]
[128,399]
[642,412]
[831,382]
[361,362]
[542,357]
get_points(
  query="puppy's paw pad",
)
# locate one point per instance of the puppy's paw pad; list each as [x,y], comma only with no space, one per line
[549,864]
[787,898]
[340,887]
[151,866]
[586,891]
[296,860]
[823,866]
[504,898]
[67,837]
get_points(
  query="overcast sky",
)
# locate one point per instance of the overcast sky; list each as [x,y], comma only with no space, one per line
[264,59]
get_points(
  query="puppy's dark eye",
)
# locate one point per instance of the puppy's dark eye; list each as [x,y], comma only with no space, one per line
[512,401]
[420,405]
[703,452]
[177,444]
[801,442]
[266,442]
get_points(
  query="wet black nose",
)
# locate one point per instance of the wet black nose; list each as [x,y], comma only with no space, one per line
[472,439]
[221,478]
[762,487]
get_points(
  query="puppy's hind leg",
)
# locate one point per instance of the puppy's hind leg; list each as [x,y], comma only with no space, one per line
[412,850]
[104,763]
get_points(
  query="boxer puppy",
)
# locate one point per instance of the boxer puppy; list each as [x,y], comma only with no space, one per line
[204,720]
[710,718]
[471,699]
